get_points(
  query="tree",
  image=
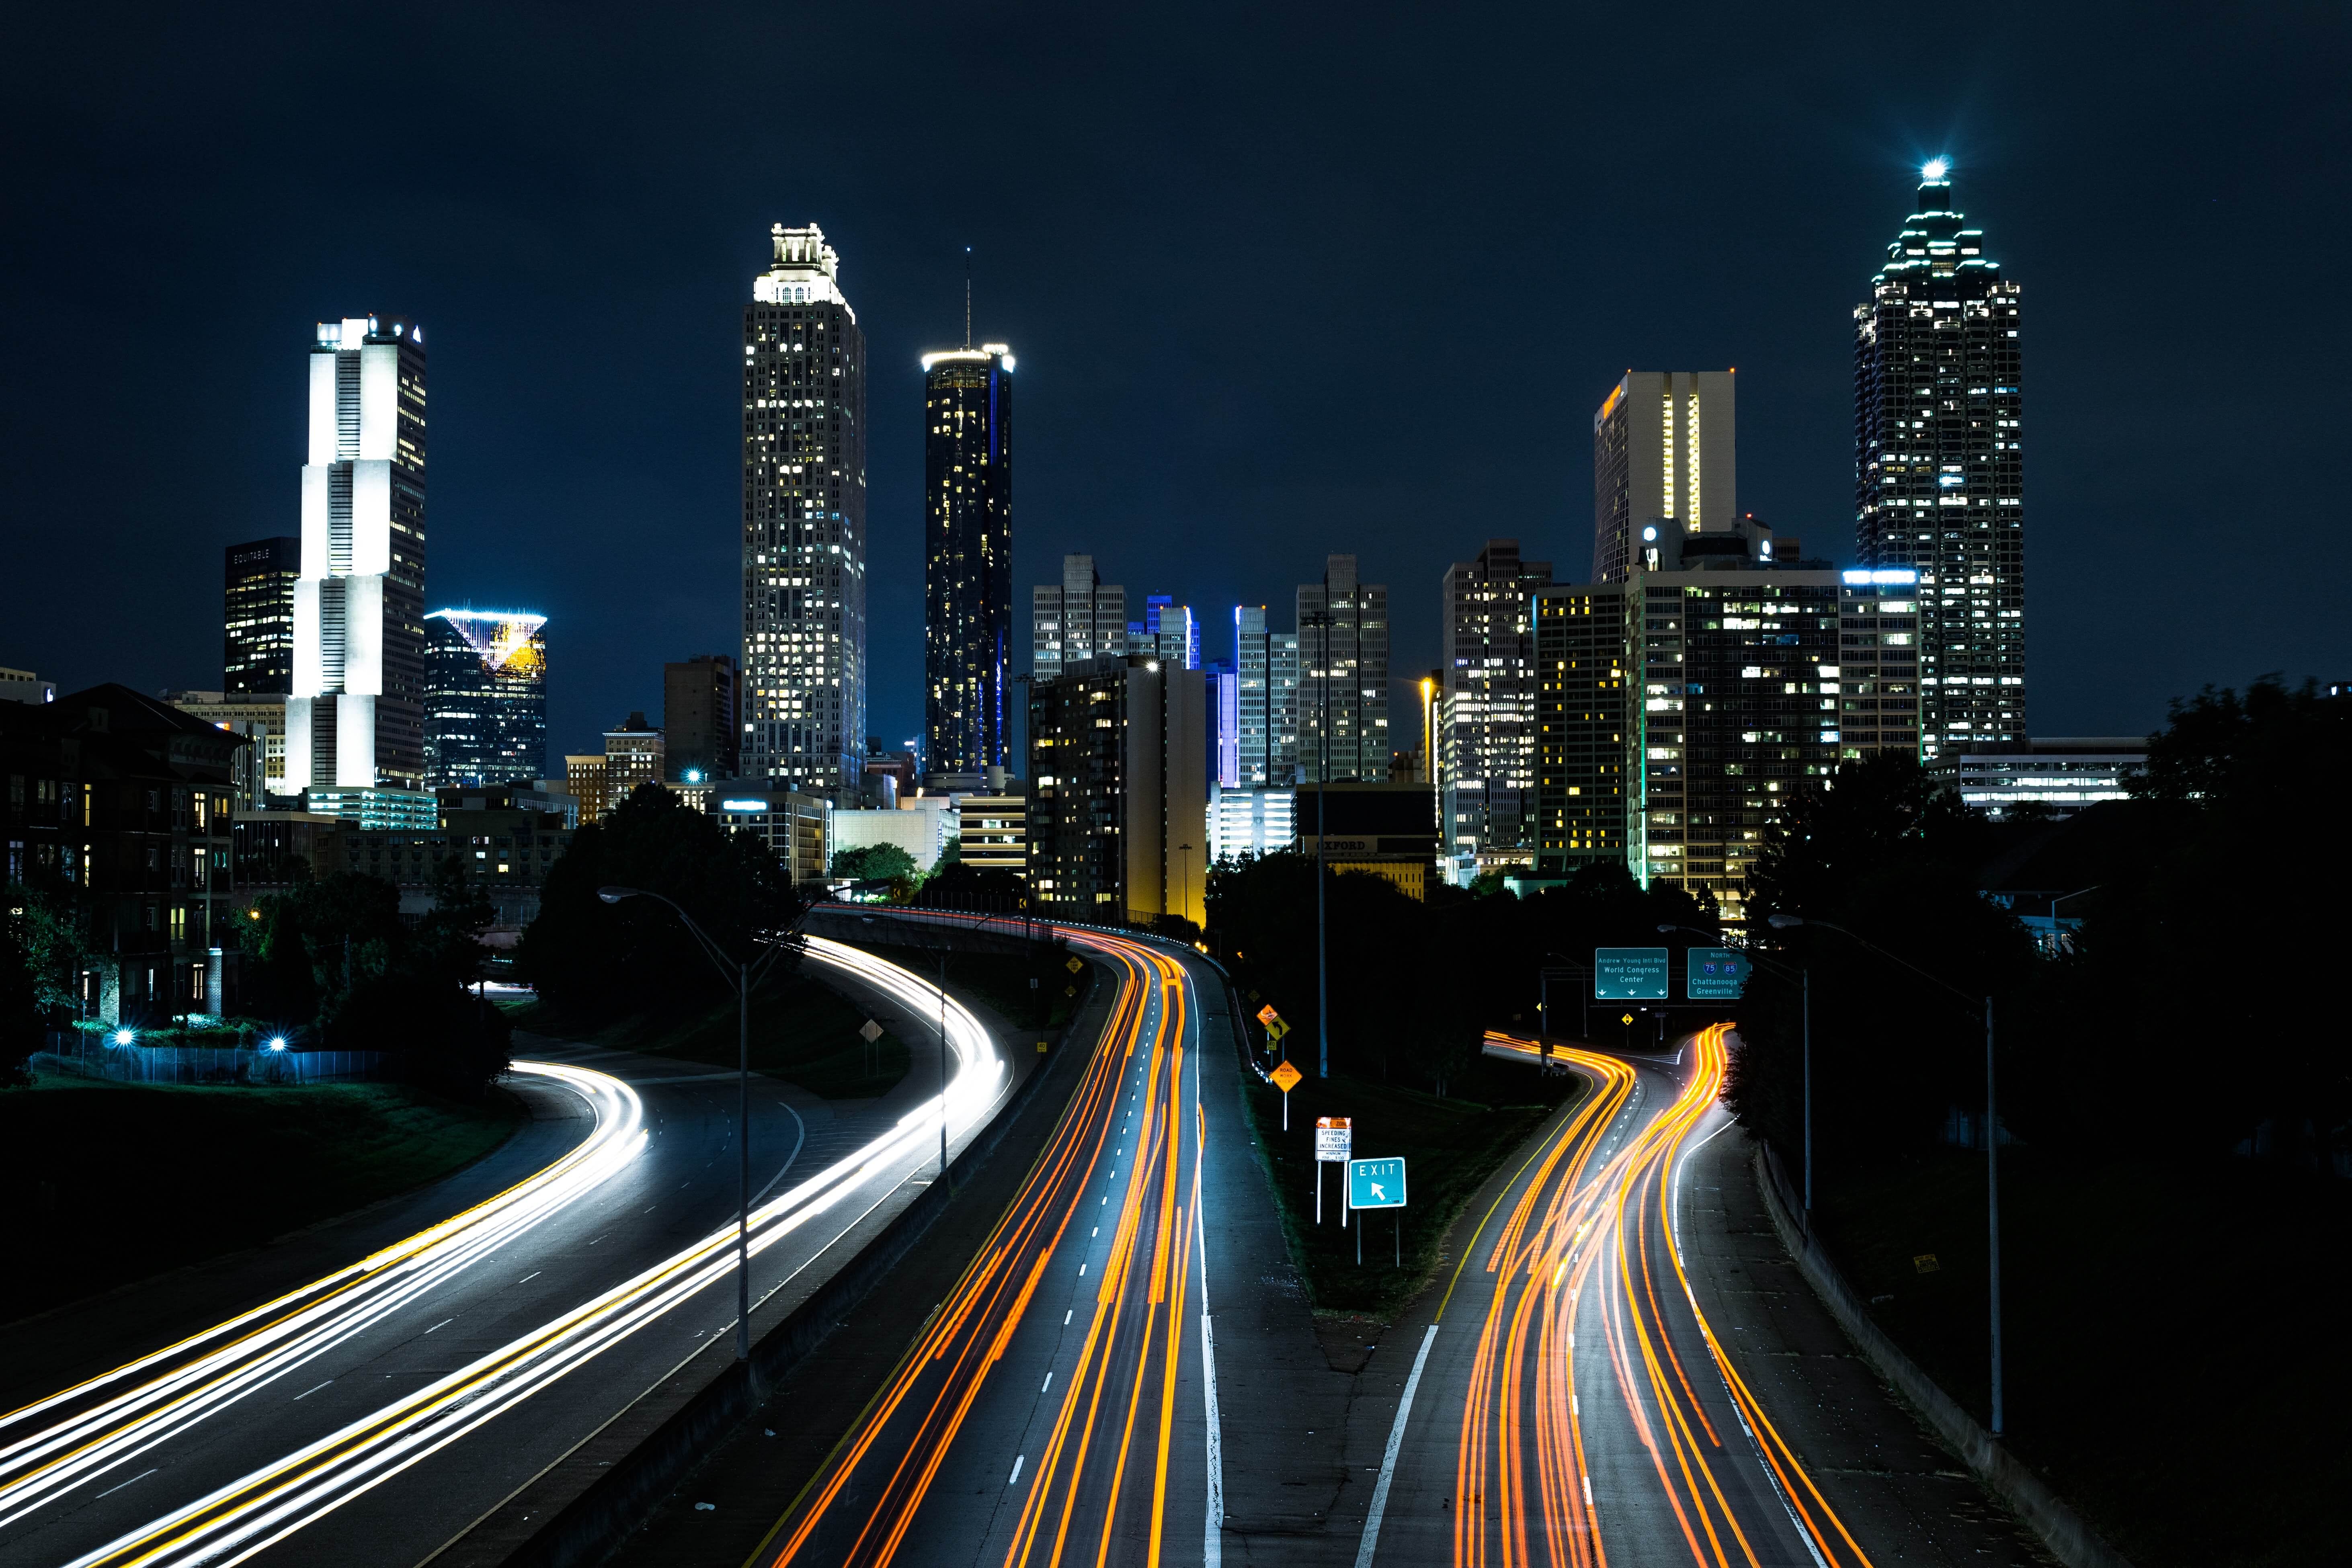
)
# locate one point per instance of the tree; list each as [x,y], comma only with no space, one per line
[873,862]
[591,958]
[22,1025]
[958,886]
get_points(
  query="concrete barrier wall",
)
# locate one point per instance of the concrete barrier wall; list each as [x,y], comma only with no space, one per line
[2063,1531]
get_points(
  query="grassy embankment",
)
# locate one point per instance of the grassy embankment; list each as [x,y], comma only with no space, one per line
[112,1182]
[1450,1147]
[2176,1364]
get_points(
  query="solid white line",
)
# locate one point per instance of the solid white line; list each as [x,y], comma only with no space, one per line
[531,1275]
[1389,1460]
[140,1477]
[442,1324]
[309,1391]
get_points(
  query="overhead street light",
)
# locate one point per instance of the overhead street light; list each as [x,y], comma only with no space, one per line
[743,976]
[1993,1128]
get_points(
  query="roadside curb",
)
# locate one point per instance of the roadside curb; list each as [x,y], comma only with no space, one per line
[2064,1533]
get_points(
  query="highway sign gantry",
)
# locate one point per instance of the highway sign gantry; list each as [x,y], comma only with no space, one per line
[1631,975]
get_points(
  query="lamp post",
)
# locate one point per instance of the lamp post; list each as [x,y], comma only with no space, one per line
[745,975]
[1321,621]
[1992,1134]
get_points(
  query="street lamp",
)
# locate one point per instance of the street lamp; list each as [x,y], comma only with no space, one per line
[1992,1133]
[1321,620]
[744,975]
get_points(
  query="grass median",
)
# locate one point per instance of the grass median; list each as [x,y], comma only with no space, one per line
[1450,1146]
[112,1182]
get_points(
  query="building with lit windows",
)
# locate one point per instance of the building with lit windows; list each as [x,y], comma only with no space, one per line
[258,769]
[1486,711]
[1077,618]
[1168,632]
[967,556]
[1119,803]
[1343,690]
[993,830]
[2053,776]
[485,698]
[257,616]
[1665,446]
[1250,822]
[355,709]
[792,825]
[702,739]
[1266,701]
[1939,464]
[1583,665]
[800,701]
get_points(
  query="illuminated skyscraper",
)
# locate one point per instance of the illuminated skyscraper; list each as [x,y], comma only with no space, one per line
[967,556]
[801,701]
[258,623]
[1938,469]
[1265,667]
[1664,447]
[1075,619]
[1343,694]
[355,715]
[1487,742]
[486,698]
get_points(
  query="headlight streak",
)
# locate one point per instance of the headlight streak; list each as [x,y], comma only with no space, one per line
[901,1441]
[1569,1227]
[270,1504]
[205,1374]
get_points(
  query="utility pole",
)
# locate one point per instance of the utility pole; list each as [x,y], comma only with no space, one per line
[1321,620]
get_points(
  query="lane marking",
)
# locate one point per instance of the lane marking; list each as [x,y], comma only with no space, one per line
[311,1390]
[1066,1317]
[442,1324]
[1389,1458]
[1048,1384]
[1018,1460]
[531,1275]
[140,1477]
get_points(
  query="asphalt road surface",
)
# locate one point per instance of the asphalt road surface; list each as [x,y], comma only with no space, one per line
[369,1412]
[1058,1406]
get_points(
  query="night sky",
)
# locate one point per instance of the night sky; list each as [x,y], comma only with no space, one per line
[1281,280]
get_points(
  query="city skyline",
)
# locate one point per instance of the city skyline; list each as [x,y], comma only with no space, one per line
[621,525]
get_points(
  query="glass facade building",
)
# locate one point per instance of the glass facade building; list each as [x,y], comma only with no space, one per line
[258,618]
[355,709]
[800,701]
[967,556]
[1265,701]
[486,699]
[1487,712]
[1939,466]
[1343,693]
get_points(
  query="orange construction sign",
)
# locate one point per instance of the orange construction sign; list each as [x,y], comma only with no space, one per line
[1286,1077]
[1266,1015]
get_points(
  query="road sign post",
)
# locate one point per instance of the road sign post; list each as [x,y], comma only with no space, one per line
[1377,1184]
[1284,1078]
[1335,1138]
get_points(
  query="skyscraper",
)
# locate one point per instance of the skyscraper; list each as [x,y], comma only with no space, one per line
[967,555]
[1265,668]
[1938,468]
[1343,696]
[1168,632]
[486,698]
[1582,662]
[1118,798]
[1487,716]
[801,705]
[355,716]
[258,619]
[1664,445]
[1075,619]
[698,717]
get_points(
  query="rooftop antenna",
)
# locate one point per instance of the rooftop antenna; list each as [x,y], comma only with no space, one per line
[966,297]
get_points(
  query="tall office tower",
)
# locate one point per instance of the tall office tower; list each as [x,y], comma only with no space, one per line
[1582,667]
[967,555]
[1119,800]
[698,718]
[355,714]
[1225,689]
[1167,632]
[801,704]
[1939,472]
[1343,693]
[1077,619]
[258,623]
[1265,665]
[485,698]
[1664,455]
[1488,712]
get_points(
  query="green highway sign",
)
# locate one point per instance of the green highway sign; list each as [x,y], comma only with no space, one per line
[1631,975]
[1376,1183]
[1715,975]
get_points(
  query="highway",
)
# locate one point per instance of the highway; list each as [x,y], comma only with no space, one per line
[1570,1408]
[1058,1406]
[372,1412]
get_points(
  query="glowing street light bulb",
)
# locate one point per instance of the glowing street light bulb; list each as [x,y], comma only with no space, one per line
[1935,169]
[277,1042]
[123,1037]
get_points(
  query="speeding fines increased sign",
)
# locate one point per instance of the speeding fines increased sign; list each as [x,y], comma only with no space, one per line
[1631,975]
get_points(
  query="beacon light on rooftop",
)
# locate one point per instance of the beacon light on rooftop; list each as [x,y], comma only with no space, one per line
[1934,169]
